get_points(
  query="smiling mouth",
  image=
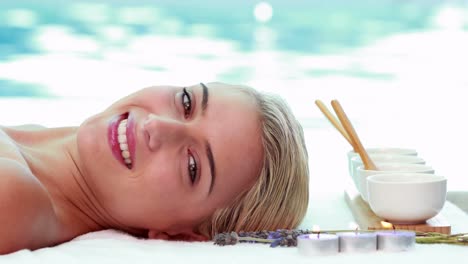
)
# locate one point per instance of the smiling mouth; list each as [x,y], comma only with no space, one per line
[123,144]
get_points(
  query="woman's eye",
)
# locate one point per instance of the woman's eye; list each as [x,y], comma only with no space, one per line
[186,103]
[192,168]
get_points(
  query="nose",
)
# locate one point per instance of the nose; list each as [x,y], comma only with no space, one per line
[162,130]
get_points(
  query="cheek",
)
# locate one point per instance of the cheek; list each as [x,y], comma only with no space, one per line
[90,133]
[161,177]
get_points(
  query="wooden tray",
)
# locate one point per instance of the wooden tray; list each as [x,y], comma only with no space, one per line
[367,220]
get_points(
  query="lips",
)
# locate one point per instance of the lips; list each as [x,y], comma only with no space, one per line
[131,139]
[113,138]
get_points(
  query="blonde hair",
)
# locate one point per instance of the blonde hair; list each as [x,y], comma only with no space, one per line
[279,198]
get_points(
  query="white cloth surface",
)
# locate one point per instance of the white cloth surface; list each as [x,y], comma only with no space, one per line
[327,209]
[110,246]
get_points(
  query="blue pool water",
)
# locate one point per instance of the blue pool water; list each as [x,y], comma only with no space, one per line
[82,48]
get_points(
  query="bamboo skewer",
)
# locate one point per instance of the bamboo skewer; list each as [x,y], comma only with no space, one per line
[366,160]
[358,206]
[334,122]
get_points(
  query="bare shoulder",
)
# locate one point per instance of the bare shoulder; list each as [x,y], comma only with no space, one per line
[27,218]
[8,149]
[29,127]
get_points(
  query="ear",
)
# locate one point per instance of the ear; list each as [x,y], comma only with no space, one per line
[186,235]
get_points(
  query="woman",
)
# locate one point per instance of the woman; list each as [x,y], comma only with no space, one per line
[174,163]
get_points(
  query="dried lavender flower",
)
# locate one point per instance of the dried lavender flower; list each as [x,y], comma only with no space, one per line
[288,238]
[274,235]
[288,241]
[276,243]
[223,239]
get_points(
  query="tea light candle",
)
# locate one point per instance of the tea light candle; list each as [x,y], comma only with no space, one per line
[318,244]
[358,242]
[395,240]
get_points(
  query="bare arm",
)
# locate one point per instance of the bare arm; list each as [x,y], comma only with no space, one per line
[27,218]
[28,127]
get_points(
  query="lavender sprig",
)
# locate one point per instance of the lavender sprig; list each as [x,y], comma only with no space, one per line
[288,238]
[281,237]
[232,238]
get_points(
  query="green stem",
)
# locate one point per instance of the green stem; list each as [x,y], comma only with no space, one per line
[254,239]
[421,237]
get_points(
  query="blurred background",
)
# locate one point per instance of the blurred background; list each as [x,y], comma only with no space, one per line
[398,67]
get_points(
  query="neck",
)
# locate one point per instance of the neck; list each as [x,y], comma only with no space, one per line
[52,155]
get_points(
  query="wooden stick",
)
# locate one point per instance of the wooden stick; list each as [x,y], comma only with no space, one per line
[366,160]
[334,122]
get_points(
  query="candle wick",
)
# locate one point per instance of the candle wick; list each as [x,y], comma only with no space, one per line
[394,229]
[356,230]
[318,234]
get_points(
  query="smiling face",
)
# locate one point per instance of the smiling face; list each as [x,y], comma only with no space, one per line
[190,150]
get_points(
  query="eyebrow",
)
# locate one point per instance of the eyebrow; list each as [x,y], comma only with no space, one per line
[204,102]
[209,152]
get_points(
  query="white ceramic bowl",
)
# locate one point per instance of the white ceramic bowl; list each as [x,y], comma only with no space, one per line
[383,150]
[406,198]
[362,174]
[385,158]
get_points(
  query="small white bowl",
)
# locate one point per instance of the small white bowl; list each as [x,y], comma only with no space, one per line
[406,198]
[362,173]
[383,150]
[356,161]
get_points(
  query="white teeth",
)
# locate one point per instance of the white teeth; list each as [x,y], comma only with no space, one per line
[122,129]
[122,138]
[125,154]
[123,146]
